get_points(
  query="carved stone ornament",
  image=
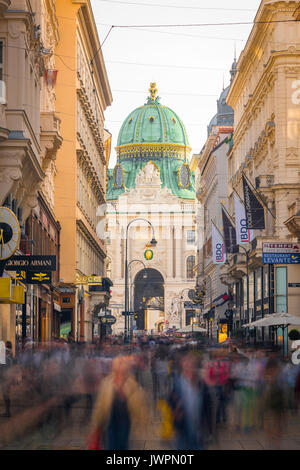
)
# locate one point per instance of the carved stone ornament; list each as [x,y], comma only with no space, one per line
[149,174]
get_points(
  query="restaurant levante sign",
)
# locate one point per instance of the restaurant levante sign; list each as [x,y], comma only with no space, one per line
[31,263]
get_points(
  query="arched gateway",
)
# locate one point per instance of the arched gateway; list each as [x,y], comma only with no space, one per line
[149,300]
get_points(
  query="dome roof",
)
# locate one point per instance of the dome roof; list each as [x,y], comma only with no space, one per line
[152,123]
[225,114]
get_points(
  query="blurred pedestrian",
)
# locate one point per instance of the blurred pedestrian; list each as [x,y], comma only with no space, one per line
[120,407]
[191,406]
[274,404]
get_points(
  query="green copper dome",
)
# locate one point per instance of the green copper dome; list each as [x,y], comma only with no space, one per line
[152,133]
[152,123]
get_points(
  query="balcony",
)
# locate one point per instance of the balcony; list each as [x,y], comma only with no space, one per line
[50,138]
[4,132]
[4,4]
[100,295]
[293,225]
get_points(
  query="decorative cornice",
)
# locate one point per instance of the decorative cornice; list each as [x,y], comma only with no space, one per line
[85,163]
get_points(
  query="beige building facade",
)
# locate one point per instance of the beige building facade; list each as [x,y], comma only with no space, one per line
[30,135]
[211,192]
[265,97]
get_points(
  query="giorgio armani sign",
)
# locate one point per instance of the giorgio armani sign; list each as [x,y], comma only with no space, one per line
[31,263]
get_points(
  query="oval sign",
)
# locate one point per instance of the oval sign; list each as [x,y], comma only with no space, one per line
[108,320]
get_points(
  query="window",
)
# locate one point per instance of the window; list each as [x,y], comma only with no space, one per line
[2,82]
[1,60]
[190,264]
[281,289]
[191,237]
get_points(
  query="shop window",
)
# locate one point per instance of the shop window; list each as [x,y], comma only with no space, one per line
[281,289]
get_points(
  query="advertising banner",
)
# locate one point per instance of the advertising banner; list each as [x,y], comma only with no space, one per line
[243,234]
[218,246]
[255,214]
[229,234]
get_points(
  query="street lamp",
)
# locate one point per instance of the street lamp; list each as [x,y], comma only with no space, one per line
[247,274]
[130,321]
[153,243]
[208,320]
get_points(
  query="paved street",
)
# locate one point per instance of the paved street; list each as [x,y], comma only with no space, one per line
[73,435]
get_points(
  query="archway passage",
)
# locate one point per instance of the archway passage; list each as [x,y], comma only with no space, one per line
[148,298]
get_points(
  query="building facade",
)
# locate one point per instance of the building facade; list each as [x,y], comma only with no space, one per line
[265,97]
[30,137]
[152,180]
[211,192]
[82,95]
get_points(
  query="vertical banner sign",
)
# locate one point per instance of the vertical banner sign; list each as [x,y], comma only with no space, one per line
[218,246]
[229,234]
[255,214]
[243,235]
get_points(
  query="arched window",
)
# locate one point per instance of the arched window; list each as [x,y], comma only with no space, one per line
[190,264]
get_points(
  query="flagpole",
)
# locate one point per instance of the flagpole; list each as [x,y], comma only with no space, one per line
[220,233]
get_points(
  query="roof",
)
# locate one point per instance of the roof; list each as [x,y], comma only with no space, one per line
[151,123]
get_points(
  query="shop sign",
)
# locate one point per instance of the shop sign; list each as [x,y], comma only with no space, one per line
[88,279]
[281,258]
[31,263]
[191,305]
[294,284]
[34,277]
[281,248]
[108,320]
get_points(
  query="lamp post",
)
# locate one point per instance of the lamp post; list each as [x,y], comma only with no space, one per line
[247,274]
[207,276]
[130,321]
[153,243]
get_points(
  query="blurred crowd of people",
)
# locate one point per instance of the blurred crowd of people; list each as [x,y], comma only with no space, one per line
[197,391]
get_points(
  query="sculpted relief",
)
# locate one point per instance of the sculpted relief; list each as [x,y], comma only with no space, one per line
[149,174]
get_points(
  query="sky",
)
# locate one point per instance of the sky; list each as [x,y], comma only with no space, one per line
[190,65]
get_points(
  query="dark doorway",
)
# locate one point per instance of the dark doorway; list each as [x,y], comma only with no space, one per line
[148,284]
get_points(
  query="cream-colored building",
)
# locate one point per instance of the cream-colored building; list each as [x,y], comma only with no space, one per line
[265,97]
[211,192]
[152,180]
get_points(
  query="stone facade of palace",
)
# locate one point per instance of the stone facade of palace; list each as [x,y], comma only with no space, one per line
[152,180]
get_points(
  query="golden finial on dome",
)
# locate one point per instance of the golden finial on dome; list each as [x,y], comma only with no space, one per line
[153,90]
